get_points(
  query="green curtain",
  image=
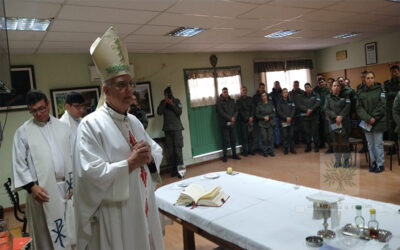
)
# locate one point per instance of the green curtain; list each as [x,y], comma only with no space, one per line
[299,64]
[260,67]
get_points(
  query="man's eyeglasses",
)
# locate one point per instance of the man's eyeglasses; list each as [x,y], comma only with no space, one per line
[124,85]
[41,109]
[78,106]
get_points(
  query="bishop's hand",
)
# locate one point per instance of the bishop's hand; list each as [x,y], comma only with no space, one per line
[140,155]
[40,194]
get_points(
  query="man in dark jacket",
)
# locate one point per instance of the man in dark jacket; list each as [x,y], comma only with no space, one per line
[392,87]
[322,90]
[245,109]
[285,110]
[276,95]
[171,109]
[396,115]
[371,108]
[309,105]
[295,95]
[256,130]
[227,111]
[137,111]
[337,109]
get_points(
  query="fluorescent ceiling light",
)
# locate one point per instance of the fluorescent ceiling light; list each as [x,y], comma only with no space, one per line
[281,33]
[347,35]
[396,1]
[186,31]
[22,23]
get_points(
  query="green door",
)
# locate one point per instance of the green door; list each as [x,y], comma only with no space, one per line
[205,135]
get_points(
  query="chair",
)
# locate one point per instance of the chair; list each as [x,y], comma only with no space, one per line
[392,147]
[354,142]
[15,201]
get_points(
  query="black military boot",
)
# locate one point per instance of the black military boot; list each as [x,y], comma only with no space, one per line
[174,172]
[286,151]
[224,159]
[330,150]
[316,147]
[308,148]
[292,150]
[373,167]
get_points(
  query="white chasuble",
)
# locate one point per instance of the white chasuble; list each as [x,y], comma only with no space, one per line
[114,209]
[49,153]
[67,119]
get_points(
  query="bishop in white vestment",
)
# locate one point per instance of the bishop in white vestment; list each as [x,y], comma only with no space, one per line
[42,164]
[115,160]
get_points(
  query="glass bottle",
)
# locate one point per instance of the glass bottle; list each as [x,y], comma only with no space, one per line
[373,225]
[359,220]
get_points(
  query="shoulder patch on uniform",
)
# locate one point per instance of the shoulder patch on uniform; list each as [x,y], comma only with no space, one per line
[293,105]
[180,105]
[318,99]
[383,95]
[348,100]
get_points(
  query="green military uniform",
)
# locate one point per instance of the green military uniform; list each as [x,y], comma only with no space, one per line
[226,109]
[266,127]
[245,110]
[256,130]
[371,103]
[323,133]
[295,96]
[286,108]
[349,93]
[311,123]
[140,114]
[339,106]
[173,130]
[392,87]
[396,115]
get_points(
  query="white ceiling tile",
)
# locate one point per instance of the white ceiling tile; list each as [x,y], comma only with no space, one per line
[71,36]
[23,44]
[25,35]
[217,35]
[246,23]
[211,8]
[154,30]
[186,20]
[22,51]
[308,4]
[65,45]
[97,27]
[146,46]
[152,5]
[365,6]
[18,8]
[153,39]
[329,16]
[276,12]
[72,12]
[63,51]
[391,10]
[184,45]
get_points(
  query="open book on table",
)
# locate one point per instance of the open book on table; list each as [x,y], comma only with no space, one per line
[202,197]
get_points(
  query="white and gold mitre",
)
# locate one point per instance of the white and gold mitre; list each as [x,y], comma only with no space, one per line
[110,55]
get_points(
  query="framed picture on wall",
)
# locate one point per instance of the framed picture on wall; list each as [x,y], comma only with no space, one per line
[145,98]
[90,93]
[22,80]
[370,53]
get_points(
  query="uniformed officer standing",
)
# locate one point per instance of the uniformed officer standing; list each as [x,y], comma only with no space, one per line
[392,87]
[227,111]
[245,109]
[275,96]
[338,110]
[137,111]
[285,112]
[347,93]
[322,90]
[256,130]
[265,113]
[171,109]
[371,108]
[309,105]
[295,95]
[396,115]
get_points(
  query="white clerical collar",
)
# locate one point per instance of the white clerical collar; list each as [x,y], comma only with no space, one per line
[114,114]
[42,124]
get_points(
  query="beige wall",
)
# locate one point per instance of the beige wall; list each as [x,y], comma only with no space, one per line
[388,50]
[65,71]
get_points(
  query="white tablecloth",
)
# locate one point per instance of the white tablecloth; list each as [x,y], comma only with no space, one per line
[267,214]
